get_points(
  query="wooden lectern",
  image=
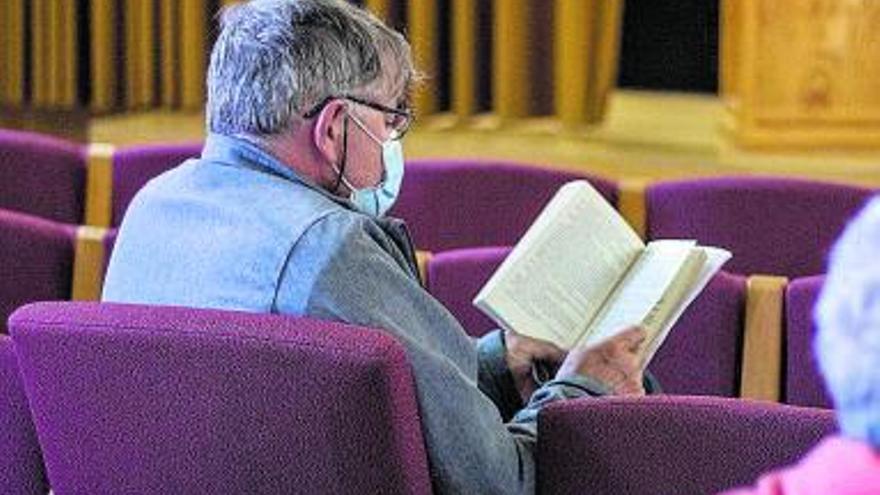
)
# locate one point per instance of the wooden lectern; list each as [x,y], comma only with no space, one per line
[801,73]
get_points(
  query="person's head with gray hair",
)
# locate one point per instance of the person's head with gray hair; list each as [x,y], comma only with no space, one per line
[848,319]
[291,75]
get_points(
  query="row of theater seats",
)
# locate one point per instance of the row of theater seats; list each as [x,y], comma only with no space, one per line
[747,335]
[772,225]
[778,226]
[106,398]
[732,341]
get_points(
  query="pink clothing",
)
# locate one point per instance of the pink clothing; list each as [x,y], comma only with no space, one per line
[837,466]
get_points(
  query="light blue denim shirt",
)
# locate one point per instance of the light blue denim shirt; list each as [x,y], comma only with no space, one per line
[236,229]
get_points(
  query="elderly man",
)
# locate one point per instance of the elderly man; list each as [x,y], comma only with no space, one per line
[283,213]
[847,345]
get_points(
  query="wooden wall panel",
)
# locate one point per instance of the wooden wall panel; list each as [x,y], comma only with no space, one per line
[808,81]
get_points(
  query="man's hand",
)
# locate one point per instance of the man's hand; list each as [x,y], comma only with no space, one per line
[614,362]
[522,353]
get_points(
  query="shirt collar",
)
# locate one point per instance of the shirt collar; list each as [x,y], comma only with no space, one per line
[238,152]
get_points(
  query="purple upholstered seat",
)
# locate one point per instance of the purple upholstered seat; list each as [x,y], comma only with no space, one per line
[450,204]
[21,463]
[702,353]
[455,277]
[42,176]
[140,399]
[700,357]
[109,244]
[772,225]
[36,261]
[134,167]
[669,445]
[803,384]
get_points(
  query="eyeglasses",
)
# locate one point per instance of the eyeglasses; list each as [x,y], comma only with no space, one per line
[397,119]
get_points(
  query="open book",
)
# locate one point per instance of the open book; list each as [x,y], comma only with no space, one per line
[580,274]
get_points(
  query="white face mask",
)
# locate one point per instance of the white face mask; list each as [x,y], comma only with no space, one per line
[378,199]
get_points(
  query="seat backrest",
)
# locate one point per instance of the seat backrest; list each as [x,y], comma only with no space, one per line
[134,167]
[452,204]
[669,444]
[771,225]
[36,261]
[456,276]
[42,176]
[139,399]
[702,353]
[803,383]
[21,463]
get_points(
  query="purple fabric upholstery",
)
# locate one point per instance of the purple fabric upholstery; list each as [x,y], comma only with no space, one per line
[669,445]
[42,176]
[455,277]
[452,204]
[134,167]
[138,399]
[771,225]
[36,261]
[109,243]
[21,463]
[803,383]
[702,353]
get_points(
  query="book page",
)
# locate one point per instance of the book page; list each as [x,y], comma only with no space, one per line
[715,258]
[639,295]
[562,270]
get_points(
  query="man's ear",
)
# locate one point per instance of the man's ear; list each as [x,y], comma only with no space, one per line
[327,133]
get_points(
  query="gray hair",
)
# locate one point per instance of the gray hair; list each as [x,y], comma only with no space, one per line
[275,59]
[848,318]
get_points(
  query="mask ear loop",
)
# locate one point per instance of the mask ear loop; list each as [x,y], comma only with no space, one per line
[339,177]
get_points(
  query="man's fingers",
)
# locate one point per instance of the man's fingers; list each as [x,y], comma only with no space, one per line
[631,338]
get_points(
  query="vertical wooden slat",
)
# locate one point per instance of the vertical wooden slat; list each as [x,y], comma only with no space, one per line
[39,53]
[586,46]
[69,53]
[8,45]
[575,53]
[103,47]
[170,55]
[610,28]
[381,8]
[422,260]
[99,185]
[511,85]
[464,46]
[54,32]
[632,206]
[15,69]
[139,60]
[88,263]
[132,62]
[192,50]
[146,52]
[5,44]
[423,36]
[761,376]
